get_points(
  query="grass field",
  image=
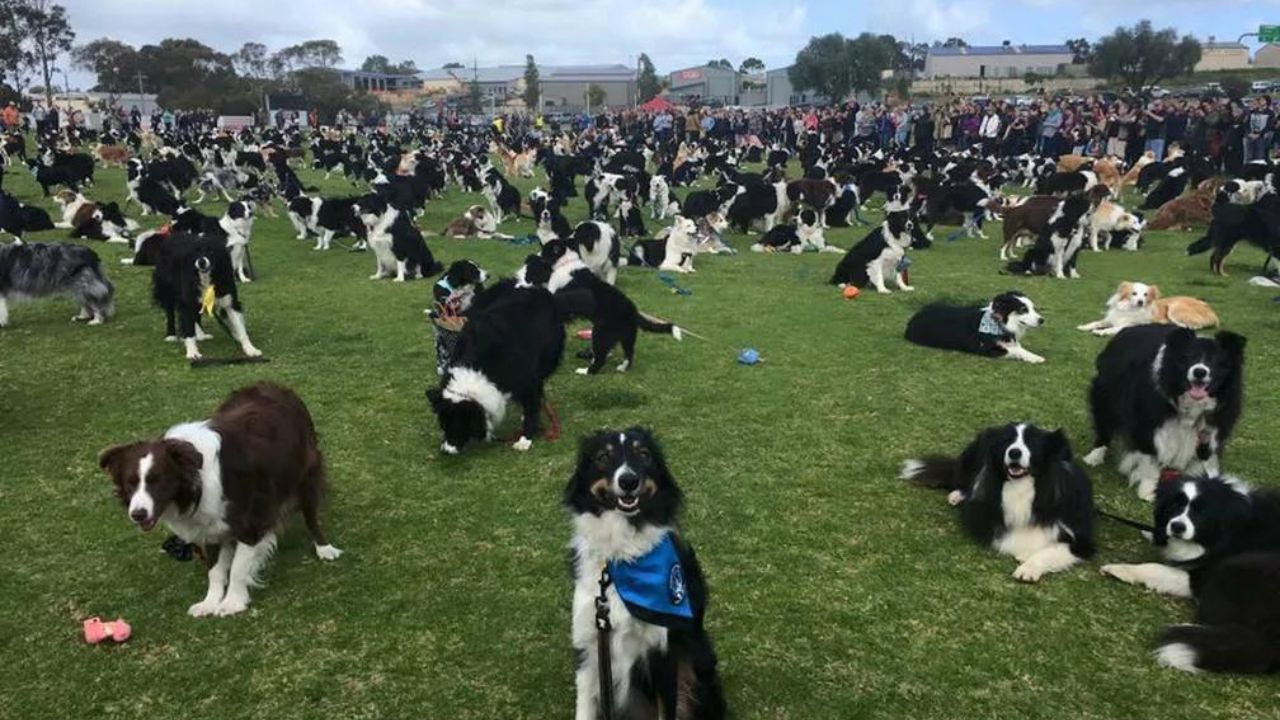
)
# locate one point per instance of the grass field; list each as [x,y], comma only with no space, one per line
[837,592]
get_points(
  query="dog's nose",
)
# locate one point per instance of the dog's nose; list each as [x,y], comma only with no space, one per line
[1200,373]
[1015,453]
[629,482]
[1177,527]
[139,515]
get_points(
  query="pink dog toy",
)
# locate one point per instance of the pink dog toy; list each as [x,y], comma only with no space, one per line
[95,631]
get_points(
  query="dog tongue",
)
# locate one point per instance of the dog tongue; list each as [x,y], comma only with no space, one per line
[1198,392]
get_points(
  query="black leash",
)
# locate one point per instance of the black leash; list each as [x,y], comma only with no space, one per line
[604,657]
[1126,521]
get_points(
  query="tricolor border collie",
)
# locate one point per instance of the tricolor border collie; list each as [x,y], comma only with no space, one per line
[637,579]
[1020,491]
[1221,542]
[227,483]
[995,330]
[1173,398]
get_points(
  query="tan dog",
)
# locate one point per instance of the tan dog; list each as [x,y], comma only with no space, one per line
[1108,171]
[515,164]
[116,155]
[1137,303]
[1131,177]
[1072,163]
[476,222]
[1194,208]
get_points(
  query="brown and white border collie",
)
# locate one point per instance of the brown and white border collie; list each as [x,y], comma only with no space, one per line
[228,482]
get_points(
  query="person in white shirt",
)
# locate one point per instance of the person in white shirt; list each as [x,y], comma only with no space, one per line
[989,130]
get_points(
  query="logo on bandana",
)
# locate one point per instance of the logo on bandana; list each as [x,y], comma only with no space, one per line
[675,584]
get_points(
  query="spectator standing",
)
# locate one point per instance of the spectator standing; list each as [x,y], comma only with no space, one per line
[1261,123]
[1154,123]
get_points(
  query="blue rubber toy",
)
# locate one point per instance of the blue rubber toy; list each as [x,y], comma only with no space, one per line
[749,356]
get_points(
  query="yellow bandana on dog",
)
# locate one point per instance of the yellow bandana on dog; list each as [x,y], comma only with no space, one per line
[208,300]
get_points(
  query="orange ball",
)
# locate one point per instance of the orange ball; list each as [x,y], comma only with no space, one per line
[850,292]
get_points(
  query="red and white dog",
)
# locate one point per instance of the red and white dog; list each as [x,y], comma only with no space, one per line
[227,483]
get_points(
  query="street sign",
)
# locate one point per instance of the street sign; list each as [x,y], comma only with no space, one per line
[1269,33]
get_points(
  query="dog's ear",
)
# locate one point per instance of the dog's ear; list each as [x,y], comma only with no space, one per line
[435,397]
[1155,292]
[1232,344]
[1057,445]
[111,458]
[1125,290]
[185,456]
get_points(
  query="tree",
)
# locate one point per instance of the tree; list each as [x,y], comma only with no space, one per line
[188,74]
[252,61]
[1235,86]
[595,96]
[914,55]
[453,66]
[12,55]
[647,84]
[475,99]
[751,66]
[1142,57]
[1031,77]
[406,67]
[721,63]
[835,66]
[326,92]
[312,53]
[1080,49]
[116,64]
[376,64]
[46,34]
[532,84]
[955,42]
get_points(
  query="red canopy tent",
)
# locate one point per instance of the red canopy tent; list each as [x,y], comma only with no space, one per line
[658,104]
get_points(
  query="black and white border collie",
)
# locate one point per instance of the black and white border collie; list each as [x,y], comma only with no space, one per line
[226,483]
[995,330]
[399,250]
[186,267]
[806,233]
[1020,491]
[1221,543]
[1056,250]
[675,252]
[323,217]
[511,343]
[878,256]
[614,317]
[503,197]
[37,270]
[624,505]
[597,244]
[1172,397]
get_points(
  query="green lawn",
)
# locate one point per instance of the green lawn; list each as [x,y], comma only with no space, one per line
[838,592]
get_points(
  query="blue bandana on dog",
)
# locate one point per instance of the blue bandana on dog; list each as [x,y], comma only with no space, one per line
[989,325]
[652,586]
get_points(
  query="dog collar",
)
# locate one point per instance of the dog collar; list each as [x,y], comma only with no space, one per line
[653,587]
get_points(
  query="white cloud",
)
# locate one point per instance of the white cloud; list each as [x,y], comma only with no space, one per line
[674,33]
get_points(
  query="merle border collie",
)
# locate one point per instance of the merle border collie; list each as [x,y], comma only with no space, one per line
[1020,491]
[624,505]
[37,270]
[1173,397]
[512,342]
[1221,543]
[995,330]
[186,268]
[877,256]
[227,483]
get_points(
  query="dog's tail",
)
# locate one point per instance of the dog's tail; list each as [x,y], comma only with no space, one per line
[933,471]
[1202,245]
[1219,648]
[649,323]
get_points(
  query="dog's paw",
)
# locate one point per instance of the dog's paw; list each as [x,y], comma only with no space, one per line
[522,445]
[328,552]
[583,371]
[204,608]
[232,604]
[1028,572]
[955,497]
[1147,490]
[1095,457]
[194,354]
[171,338]
[1118,571]
[251,351]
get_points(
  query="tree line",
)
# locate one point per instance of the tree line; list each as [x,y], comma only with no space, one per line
[837,66]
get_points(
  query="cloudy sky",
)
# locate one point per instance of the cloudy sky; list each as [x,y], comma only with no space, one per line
[675,33]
